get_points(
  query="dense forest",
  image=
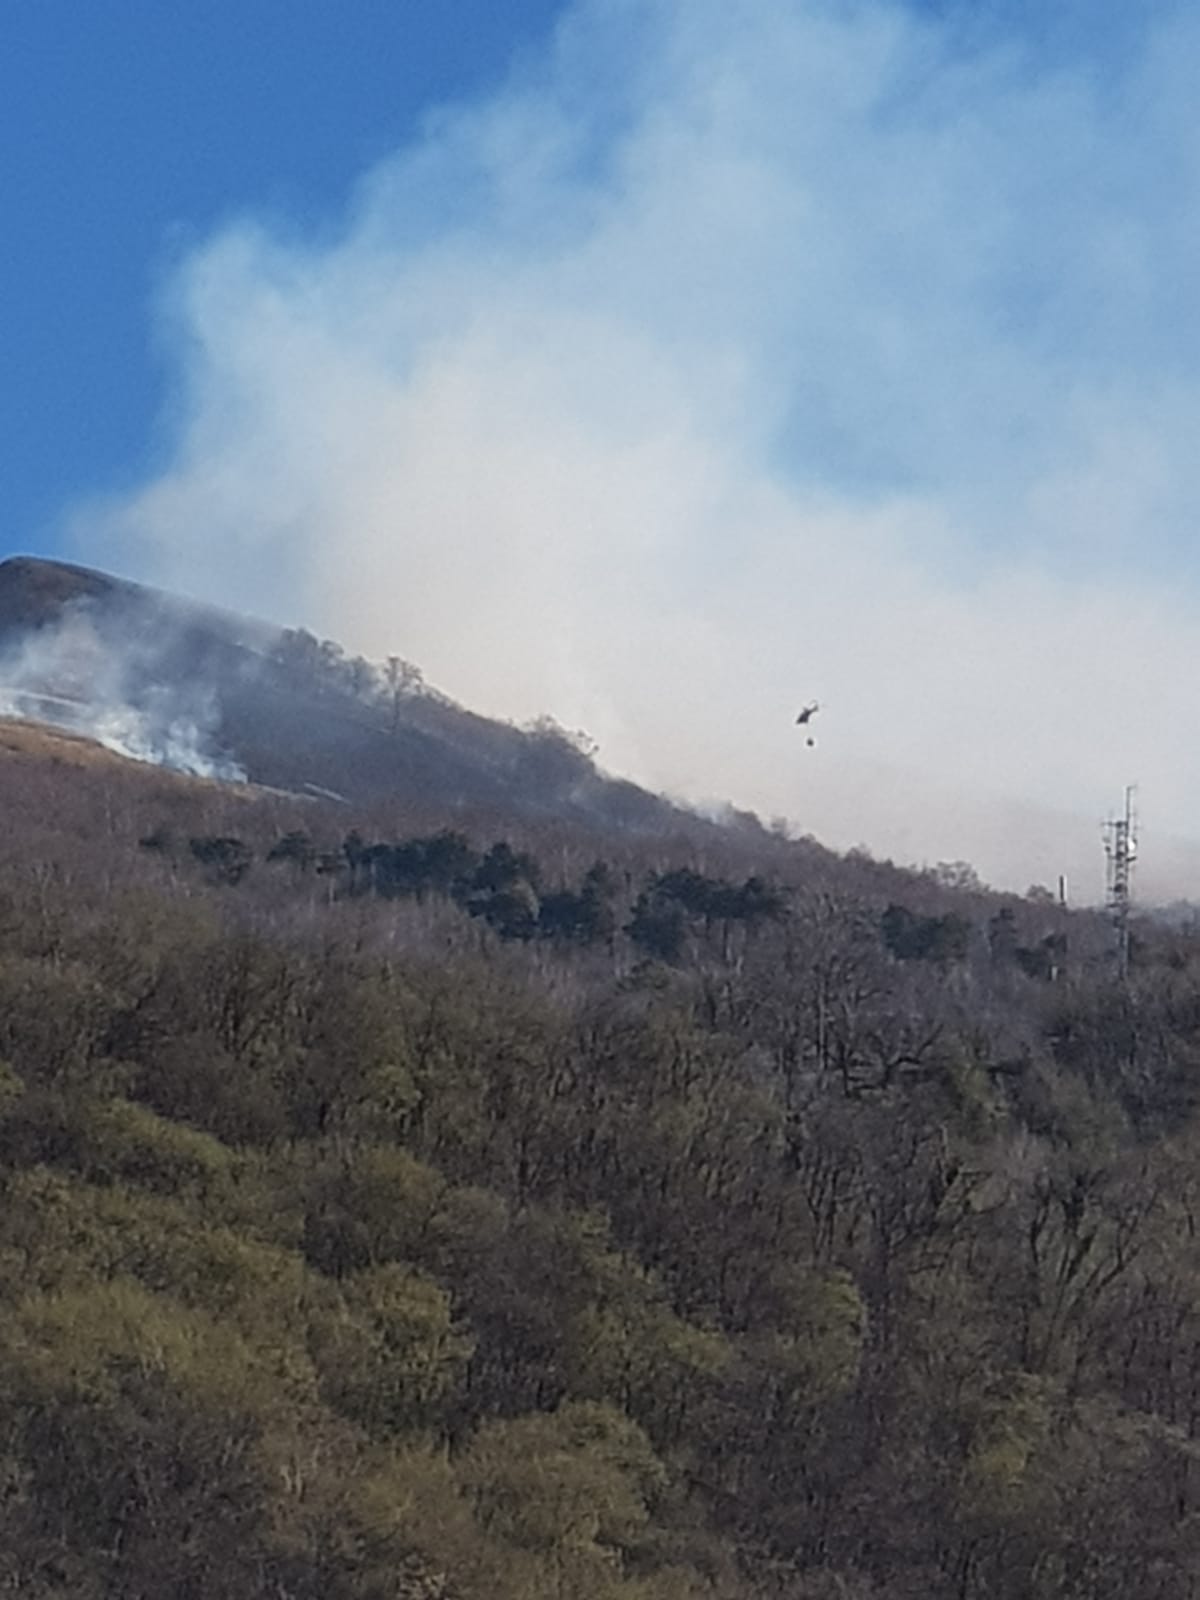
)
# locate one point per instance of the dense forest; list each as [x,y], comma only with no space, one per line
[407,1208]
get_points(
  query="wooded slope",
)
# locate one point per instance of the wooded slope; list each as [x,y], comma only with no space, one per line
[397,1211]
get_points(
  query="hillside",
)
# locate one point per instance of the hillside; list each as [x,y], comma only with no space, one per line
[418,1205]
[209,691]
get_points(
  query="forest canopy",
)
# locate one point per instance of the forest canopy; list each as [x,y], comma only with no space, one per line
[427,1208]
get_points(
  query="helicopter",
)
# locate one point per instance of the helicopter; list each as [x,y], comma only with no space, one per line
[807,713]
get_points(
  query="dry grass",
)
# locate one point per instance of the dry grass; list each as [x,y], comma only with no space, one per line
[38,741]
[23,740]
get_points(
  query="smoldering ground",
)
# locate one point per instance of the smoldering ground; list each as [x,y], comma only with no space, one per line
[116,677]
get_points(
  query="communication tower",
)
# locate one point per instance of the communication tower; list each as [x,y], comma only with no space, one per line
[1120,845]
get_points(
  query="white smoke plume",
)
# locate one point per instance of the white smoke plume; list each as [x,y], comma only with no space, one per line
[74,675]
[737,354]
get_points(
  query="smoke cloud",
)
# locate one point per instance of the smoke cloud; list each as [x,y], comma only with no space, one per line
[737,354]
[75,675]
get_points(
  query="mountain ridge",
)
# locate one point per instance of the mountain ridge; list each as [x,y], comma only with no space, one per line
[287,709]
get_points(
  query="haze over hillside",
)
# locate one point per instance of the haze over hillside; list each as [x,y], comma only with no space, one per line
[208,692]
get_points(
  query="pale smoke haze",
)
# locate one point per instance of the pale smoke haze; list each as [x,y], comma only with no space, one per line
[732,356]
[74,676]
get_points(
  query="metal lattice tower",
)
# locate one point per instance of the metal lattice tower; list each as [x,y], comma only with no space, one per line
[1120,845]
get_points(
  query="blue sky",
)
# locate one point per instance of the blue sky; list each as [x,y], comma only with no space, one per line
[128,129]
[654,363]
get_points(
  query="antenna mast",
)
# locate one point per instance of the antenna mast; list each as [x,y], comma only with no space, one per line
[1120,845]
